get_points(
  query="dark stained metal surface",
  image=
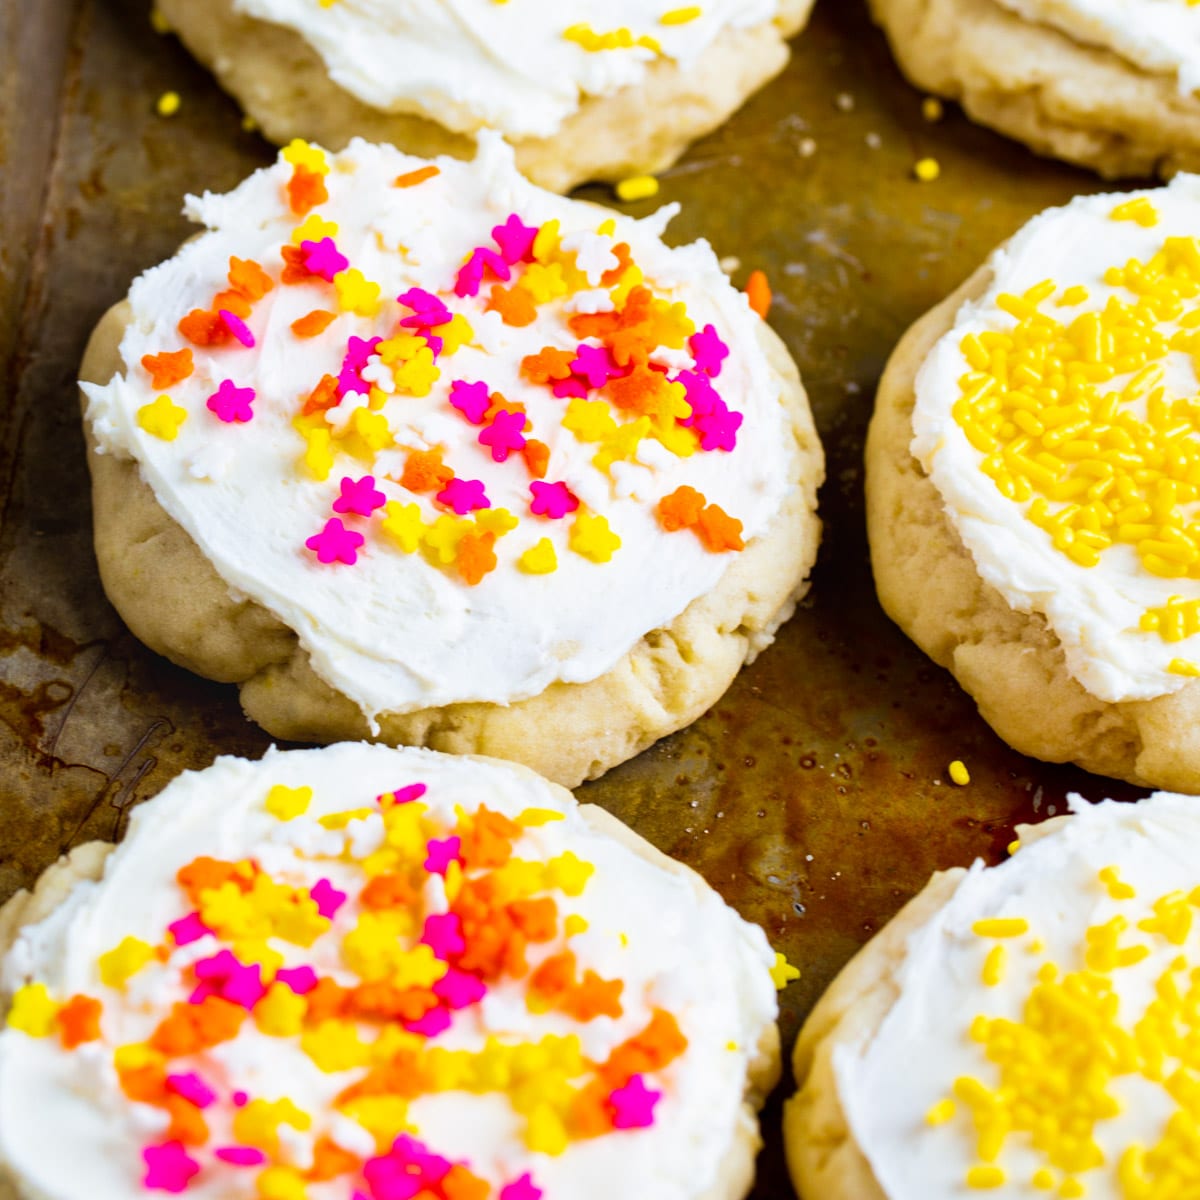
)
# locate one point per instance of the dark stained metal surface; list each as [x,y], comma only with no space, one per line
[815,794]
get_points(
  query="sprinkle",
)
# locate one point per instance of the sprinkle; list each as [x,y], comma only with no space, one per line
[336,543]
[680,16]
[240,1156]
[286,803]
[1117,890]
[553,500]
[515,306]
[464,496]
[237,327]
[926,170]
[306,189]
[314,228]
[188,929]
[719,531]
[709,351]
[313,324]
[782,972]
[324,259]
[168,104]
[758,293]
[537,457]
[299,153]
[932,109]
[168,1168]
[162,418]
[470,276]
[443,935]
[300,980]
[359,496]
[327,899]
[994,966]
[521,1189]
[412,178]
[942,1112]
[504,435]
[192,1088]
[1000,927]
[591,537]
[548,364]
[985,1177]
[168,368]
[403,525]
[441,852]
[958,773]
[515,240]
[78,1021]
[681,509]
[203,328]
[1139,210]
[632,1106]
[539,559]
[473,400]
[356,293]
[638,187]
[32,1011]
[231,403]
[123,962]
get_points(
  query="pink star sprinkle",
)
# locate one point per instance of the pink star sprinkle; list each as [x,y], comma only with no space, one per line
[241,1156]
[359,351]
[521,1189]
[596,365]
[443,935]
[232,403]
[168,1168]
[359,496]
[327,898]
[708,350]
[553,500]
[718,429]
[457,989]
[701,395]
[435,1021]
[432,340]
[632,1106]
[569,389]
[237,327]
[471,399]
[504,435]
[440,853]
[301,980]
[192,1088]
[188,929]
[428,309]
[322,258]
[336,543]
[223,975]
[515,239]
[464,496]
[470,276]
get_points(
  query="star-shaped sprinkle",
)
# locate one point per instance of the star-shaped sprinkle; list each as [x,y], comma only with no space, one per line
[428,309]
[595,364]
[521,1189]
[359,496]
[589,420]
[327,898]
[188,929]
[539,559]
[403,525]
[471,399]
[168,368]
[444,535]
[300,153]
[418,375]
[782,973]
[464,495]
[632,1106]
[231,403]
[515,240]
[162,418]
[285,803]
[569,389]
[440,853]
[470,276]
[708,350]
[504,435]
[552,500]
[237,327]
[168,1168]
[323,258]
[591,537]
[458,989]
[443,935]
[356,293]
[336,543]
[434,1022]
[314,228]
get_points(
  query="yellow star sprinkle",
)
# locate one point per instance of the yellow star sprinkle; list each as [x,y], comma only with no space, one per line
[455,334]
[544,283]
[161,419]
[545,243]
[280,1183]
[622,444]
[574,924]
[400,348]
[591,537]
[317,458]
[545,1133]
[32,1011]
[403,525]
[372,428]
[418,375]
[335,1046]
[258,1123]
[443,536]
[539,559]
[495,520]
[124,961]
[287,803]
[303,154]
[280,1013]
[782,973]
[314,228]
[589,420]
[356,293]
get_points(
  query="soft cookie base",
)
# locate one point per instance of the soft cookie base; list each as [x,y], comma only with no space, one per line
[1060,97]
[173,599]
[1011,663]
[282,83]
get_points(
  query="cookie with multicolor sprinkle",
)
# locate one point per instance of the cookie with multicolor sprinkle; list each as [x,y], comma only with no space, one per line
[388,974]
[422,452]
[1033,474]
[1022,1030]
[1109,84]
[589,89]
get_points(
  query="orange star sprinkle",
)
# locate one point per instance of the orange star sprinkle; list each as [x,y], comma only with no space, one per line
[323,397]
[719,531]
[306,189]
[78,1021]
[476,557]
[514,305]
[203,328]
[548,364]
[249,278]
[168,368]
[425,472]
[681,509]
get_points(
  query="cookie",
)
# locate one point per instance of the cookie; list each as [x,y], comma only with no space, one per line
[1032,470]
[1019,1030]
[582,90]
[421,452]
[382,973]
[1107,84]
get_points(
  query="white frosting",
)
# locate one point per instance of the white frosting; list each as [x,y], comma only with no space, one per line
[697,959]
[1162,36]
[890,1079]
[471,64]
[394,632]
[1094,611]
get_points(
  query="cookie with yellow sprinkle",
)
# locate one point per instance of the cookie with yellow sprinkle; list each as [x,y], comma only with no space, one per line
[1109,84]
[418,451]
[386,974]
[1022,1030]
[584,89]
[1033,480]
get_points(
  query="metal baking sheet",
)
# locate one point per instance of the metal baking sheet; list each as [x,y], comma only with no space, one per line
[814,796]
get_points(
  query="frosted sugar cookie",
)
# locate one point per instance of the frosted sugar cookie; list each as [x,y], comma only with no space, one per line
[420,451]
[385,974]
[1109,84]
[1033,469]
[1019,1031]
[584,90]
